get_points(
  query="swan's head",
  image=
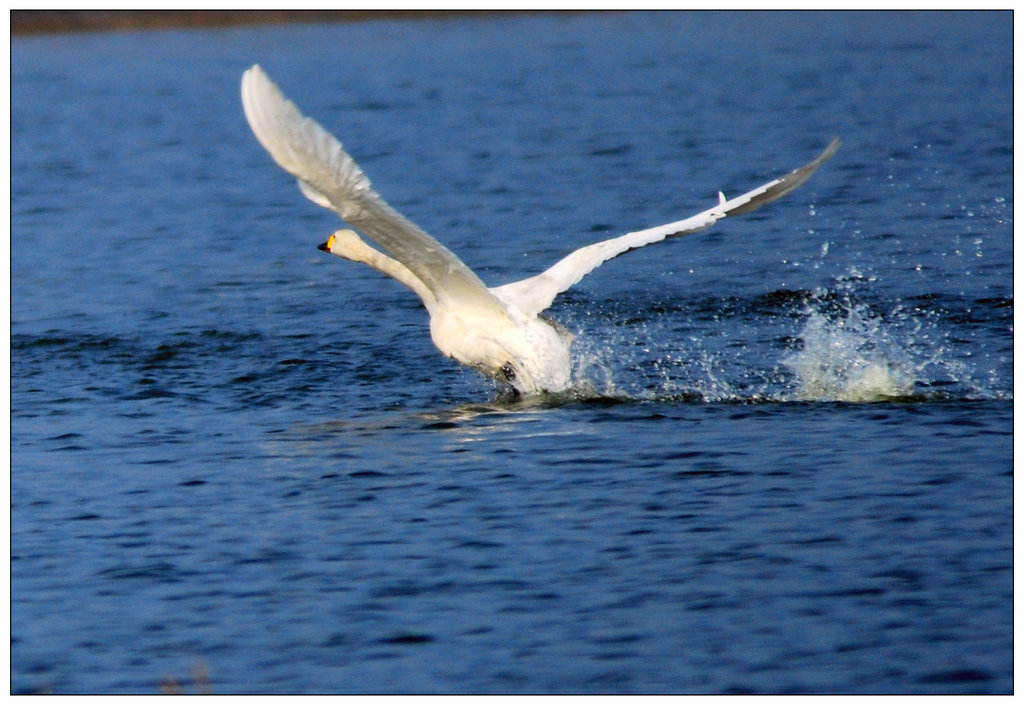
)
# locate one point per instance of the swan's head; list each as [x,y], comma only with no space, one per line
[346,243]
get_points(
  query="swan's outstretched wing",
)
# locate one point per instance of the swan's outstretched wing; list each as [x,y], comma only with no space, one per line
[535,294]
[329,177]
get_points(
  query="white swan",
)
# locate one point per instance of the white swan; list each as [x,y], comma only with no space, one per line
[497,330]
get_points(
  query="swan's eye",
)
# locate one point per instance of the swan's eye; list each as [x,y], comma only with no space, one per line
[509,372]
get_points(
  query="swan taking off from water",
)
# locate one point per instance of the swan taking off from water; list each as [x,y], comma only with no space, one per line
[497,330]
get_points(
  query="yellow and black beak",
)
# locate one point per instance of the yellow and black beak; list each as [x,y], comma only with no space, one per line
[326,247]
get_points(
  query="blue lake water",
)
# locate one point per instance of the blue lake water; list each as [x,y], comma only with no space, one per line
[232,452]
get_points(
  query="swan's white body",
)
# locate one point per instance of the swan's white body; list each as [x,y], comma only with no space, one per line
[497,330]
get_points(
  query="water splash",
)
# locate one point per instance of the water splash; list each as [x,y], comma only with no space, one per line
[927,347]
[849,357]
[835,344]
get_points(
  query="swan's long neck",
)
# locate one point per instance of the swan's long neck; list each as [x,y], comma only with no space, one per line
[348,245]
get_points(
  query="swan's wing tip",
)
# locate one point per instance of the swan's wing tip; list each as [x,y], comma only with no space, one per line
[831,149]
[327,175]
[752,200]
[807,169]
[255,71]
[251,75]
[259,91]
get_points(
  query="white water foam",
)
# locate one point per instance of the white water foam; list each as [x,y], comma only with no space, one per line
[849,357]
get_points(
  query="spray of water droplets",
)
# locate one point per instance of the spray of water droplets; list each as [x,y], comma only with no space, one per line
[851,356]
[835,344]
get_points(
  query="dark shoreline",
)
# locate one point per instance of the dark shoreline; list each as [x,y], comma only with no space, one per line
[45,21]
